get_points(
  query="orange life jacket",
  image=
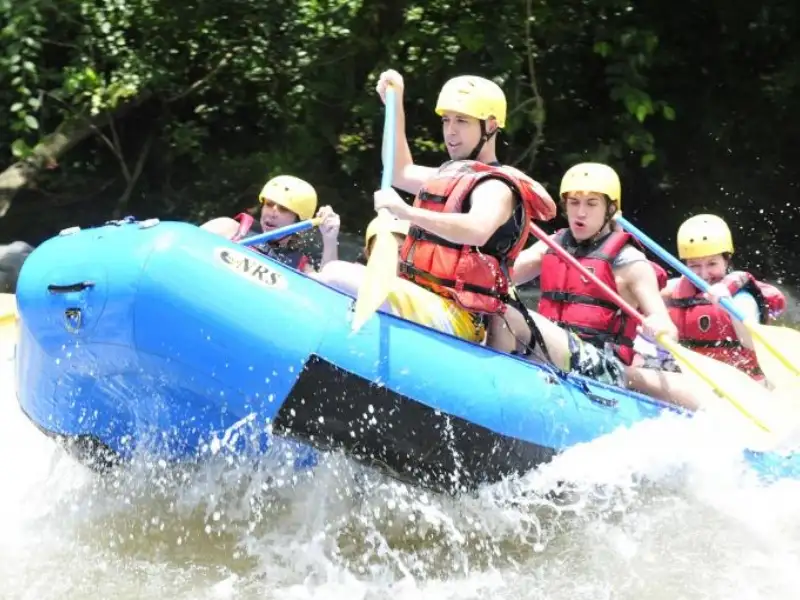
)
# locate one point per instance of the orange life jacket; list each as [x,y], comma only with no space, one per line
[476,278]
[708,329]
[576,303]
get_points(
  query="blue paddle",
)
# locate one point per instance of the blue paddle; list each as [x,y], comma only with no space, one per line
[281,232]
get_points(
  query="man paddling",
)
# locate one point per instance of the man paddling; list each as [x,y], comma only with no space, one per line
[469,219]
[284,200]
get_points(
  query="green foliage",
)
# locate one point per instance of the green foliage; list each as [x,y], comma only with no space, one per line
[236,72]
[233,92]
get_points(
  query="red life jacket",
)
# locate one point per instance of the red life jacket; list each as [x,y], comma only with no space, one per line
[245,225]
[291,257]
[576,303]
[708,329]
[476,278]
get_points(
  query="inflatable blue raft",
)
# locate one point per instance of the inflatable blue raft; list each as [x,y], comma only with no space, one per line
[160,336]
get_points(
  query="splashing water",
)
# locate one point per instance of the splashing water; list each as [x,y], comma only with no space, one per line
[664,510]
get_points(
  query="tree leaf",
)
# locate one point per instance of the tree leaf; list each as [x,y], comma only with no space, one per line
[19,148]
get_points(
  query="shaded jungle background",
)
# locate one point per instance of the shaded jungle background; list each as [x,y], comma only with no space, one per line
[182,110]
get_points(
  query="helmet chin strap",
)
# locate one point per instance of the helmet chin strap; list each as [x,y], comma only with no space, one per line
[485,137]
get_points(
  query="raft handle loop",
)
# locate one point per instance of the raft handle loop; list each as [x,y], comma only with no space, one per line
[596,398]
[70,287]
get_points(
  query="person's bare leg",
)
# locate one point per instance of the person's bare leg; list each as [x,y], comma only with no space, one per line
[224,226]
[506,336]
[511,332]
[346,277]
[675,388]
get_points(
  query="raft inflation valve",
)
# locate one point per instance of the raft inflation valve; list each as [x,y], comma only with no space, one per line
[73,319]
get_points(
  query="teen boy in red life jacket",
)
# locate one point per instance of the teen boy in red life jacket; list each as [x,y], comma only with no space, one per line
[284,200]
[583,330]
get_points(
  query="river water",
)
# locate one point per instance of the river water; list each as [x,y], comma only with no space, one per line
[663,510]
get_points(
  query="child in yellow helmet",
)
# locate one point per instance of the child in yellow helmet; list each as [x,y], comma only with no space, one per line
[284,200]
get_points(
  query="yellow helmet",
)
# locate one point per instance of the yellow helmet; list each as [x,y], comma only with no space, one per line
[393,225]
[704,235]
[291,193]
[473,96]
[593,177]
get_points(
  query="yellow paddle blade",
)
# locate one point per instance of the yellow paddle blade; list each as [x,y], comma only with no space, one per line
[748,396]
[8,329]
[379,278]
[778,352]
[8,318]
[8,306]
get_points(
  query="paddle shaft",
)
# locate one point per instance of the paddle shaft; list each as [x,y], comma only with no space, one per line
[274,234]
[387,175]
[387,150]
[387,147]
[382,264]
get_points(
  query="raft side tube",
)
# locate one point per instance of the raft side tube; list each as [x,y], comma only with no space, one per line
[194,343]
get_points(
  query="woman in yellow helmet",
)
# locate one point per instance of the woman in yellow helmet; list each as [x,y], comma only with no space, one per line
[284,200]
[705,244]
[469,218]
